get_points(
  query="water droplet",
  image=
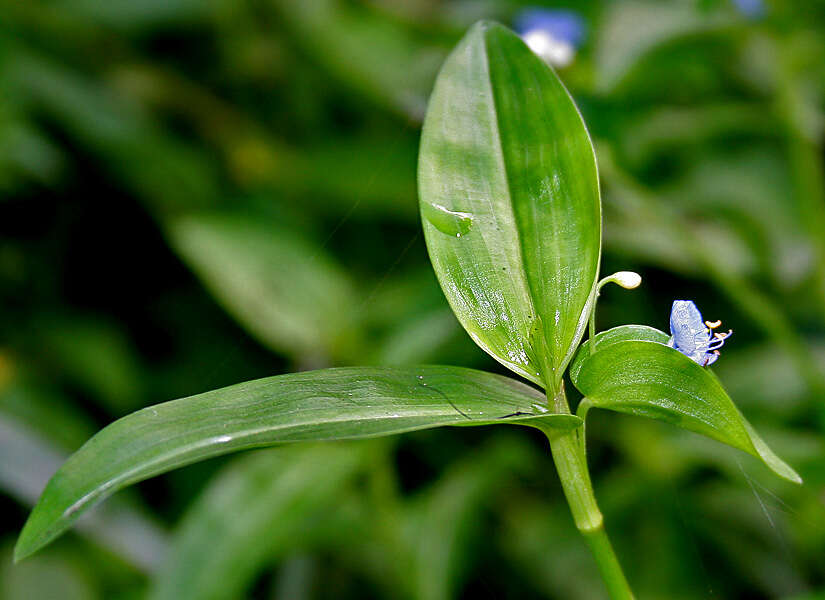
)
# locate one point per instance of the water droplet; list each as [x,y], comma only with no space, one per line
[222,439]
[450,222]
[421,377]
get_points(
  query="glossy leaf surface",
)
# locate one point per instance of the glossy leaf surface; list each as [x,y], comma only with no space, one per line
[510,203]
[328,404]
[633,371]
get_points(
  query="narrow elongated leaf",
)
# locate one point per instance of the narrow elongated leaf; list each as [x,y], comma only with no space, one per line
[327,404]
[632,371]
[510,203]
[259,507]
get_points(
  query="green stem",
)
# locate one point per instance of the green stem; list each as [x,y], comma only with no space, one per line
[608,564]
[592,324]
[571,463]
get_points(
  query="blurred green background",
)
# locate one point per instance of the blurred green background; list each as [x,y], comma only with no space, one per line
[196,193]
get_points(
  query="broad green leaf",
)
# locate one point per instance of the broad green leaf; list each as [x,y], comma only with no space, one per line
[327,404]
[604,339]
[633,372]
[510,203]
[260,507]
[285,291]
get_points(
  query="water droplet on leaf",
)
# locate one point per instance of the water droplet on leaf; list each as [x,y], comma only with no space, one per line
[450,222]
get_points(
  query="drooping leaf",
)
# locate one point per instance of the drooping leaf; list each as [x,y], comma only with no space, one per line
[258,507]
[510,203]
[633,371]
[327,404]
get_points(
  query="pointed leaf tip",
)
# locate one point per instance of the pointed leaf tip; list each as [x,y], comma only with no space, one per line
[633,371]
[328,404]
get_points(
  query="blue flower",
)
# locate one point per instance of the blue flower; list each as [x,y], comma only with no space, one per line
[692,336]
[552,34]
[752,9]
[562,25]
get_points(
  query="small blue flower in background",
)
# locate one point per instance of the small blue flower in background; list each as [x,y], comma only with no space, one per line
[752,9]
[692,336]
[552,34]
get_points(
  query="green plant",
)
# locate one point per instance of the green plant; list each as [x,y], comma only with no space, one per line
[511,212]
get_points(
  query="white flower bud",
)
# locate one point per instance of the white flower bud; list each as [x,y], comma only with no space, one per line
[626,279]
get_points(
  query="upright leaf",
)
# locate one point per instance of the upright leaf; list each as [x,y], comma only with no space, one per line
[510,203]
[633,371]
[327,404]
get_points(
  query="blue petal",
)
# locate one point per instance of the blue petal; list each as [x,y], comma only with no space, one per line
[690,335]
[561,25]
[750,8]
